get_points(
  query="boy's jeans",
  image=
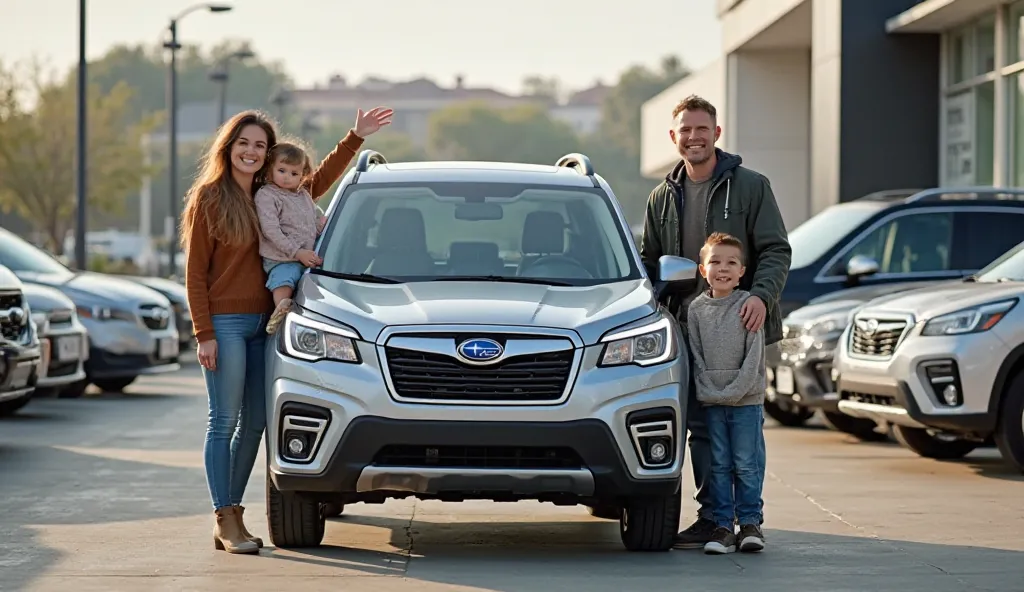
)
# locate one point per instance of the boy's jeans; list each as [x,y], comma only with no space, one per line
[737,462]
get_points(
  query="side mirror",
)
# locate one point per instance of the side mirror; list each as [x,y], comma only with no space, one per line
[860,266]
[674,272]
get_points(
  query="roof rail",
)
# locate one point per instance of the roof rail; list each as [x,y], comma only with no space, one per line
[968,193]
[367,158]
[889,194]
[577,161]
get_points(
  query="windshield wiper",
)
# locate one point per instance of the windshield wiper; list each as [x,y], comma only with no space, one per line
[500,278]
[361,277]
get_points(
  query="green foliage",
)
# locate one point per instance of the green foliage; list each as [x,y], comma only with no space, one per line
[38,143]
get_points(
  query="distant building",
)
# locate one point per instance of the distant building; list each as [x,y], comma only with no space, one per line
[414,101]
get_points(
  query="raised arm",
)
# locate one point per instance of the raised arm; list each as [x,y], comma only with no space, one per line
[335,163]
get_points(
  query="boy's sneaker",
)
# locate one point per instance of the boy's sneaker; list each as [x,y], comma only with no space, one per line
[694,536]
[722,541]
[279,313]
[751,538]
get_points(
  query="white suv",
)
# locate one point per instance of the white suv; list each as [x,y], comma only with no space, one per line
[943,365]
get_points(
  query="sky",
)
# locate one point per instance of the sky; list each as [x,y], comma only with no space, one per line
[489,43]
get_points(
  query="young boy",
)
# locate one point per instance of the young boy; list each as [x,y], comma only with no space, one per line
[729,373]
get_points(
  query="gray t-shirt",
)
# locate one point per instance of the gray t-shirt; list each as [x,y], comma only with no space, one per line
[691,226]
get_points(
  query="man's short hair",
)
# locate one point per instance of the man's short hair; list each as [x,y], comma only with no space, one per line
[721,238]
[695,103]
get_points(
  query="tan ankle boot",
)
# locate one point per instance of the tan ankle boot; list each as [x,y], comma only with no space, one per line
[227,534]
[240,510]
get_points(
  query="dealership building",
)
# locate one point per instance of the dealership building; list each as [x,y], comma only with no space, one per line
[835,99]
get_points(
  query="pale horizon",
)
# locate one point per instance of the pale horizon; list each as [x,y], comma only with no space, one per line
[329,37]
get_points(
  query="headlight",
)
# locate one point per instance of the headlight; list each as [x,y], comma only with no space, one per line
[40,318]
[103,313]
[826,325]
[311,340]
[969,320]
[644,346]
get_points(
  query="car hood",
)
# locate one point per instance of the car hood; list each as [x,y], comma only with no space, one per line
[927,304]
[46,299]
[174,291]
[865,293]
[591,311]
[94,288]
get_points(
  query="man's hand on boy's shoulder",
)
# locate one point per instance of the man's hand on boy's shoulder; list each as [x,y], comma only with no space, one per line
[753,313]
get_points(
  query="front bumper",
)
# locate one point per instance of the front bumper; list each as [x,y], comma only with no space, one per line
[898,390]
[801,371]
[19,370]
[65,352]
[122,349]
[367,446]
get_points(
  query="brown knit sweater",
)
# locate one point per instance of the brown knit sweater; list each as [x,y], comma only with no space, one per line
[229,279]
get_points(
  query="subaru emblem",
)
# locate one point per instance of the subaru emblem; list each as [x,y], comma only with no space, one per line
[480,350]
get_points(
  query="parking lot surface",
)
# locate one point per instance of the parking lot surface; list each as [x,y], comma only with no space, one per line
[108,492]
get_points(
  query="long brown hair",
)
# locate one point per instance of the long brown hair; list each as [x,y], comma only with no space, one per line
[231,214]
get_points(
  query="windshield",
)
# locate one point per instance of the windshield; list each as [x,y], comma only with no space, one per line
[818,234]
[424,232]
[1009,266]
[20,256]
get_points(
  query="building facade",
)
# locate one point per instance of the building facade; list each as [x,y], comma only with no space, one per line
[835,99]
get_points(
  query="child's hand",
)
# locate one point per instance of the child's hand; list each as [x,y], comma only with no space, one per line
[308,258]
[371,122]
[320,224]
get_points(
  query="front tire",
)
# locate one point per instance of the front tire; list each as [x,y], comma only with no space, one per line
[292,520]
[114,385]
[929,446]
[1009,434]
[11,406]
[787,413]
[865,430]
[650,523]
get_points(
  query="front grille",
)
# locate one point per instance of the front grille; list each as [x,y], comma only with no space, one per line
[9,300]
[481,457]
[790,346]
[155,317]
[424,375]
[876,337]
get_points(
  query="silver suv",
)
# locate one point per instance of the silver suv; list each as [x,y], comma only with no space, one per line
[944,364]
[478,331]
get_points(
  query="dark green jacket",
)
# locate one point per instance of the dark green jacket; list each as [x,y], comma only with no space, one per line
[740,203]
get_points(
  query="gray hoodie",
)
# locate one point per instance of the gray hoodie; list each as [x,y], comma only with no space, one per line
[728,360]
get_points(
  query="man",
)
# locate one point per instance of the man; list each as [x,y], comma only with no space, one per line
[707,192]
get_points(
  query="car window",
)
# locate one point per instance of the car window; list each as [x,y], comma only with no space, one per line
[912,243]
[1008,266]
[421,232]
[815,236]
[984,236]
[20,256]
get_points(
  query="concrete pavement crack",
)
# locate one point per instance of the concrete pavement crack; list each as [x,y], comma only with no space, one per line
[871,535]
[410,541]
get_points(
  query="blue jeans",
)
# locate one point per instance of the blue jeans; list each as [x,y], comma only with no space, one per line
[737,463]
[282,273]
[238,413]
[699,445]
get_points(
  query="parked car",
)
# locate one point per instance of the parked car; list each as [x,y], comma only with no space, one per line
[900,236]
[64,339]
[131,327]
[176,293]
[801,378]
[944,366]
[478,331]
[19,345]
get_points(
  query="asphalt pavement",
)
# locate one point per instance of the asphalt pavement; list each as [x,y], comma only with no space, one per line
[108,493]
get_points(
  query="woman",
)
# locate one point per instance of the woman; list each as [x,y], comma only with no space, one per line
[230,304]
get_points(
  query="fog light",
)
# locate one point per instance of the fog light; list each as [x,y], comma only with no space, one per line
[296,446]
[658,452]
[950,394]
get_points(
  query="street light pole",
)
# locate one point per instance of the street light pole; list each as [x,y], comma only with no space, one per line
[220,76]
[80,252]
[172,105]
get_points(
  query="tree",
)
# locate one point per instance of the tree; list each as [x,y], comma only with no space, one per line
[620,114]
[538,86]
[37,149]
[476,131]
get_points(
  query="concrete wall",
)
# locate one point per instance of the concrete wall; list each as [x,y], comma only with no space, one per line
[826,77]
[657,153]
[770,104]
